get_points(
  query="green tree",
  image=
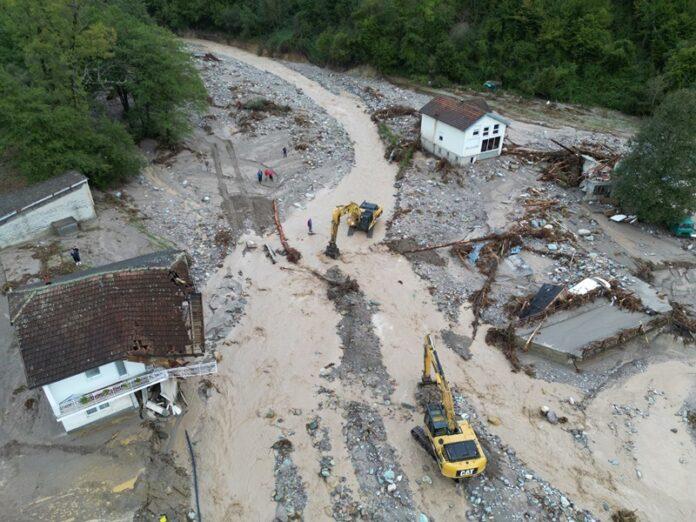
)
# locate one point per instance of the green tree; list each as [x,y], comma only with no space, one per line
[60,62]
[657,180]
[680,71]
[153,77]
[43,138]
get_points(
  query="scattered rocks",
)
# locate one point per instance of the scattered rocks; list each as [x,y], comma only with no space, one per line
[289,492]
[362,358]
[376,464]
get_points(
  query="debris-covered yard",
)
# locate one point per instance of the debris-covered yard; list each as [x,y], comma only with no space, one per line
[583,396]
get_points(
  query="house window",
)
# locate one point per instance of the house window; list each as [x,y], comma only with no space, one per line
[496,127]
[476,132]
[104,406]
[92,373]
[490,144]
[121,367]
[485,131]
[91,411]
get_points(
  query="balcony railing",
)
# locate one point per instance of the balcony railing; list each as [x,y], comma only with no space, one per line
[73,404]
[193,370]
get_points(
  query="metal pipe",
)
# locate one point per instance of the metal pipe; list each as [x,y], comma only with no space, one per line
[195,475]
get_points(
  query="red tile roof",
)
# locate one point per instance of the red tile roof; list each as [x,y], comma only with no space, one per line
[133,309]
[459,114]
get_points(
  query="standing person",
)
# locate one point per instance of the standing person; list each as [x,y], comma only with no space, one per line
[309,226]
[285,152]
[259,175]
[269,173]
[75,254]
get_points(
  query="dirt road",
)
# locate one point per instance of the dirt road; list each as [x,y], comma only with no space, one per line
[273,379]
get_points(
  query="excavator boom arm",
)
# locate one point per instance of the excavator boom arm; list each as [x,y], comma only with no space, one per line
[432,361]
[352,209]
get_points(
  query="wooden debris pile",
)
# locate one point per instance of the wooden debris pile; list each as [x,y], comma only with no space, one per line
[398,147]
[393,111]
[621,297]
[506,340]
[498,245]
[565,165]
[683,322]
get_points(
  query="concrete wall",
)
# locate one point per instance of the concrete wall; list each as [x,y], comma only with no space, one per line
[80,384]
[36,221]
[458,146]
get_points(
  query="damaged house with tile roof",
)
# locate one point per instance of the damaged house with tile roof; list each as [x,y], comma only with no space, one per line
[108,339]
[462,131]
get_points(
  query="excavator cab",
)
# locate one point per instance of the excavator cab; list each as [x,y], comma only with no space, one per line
[368,216]
[435,420]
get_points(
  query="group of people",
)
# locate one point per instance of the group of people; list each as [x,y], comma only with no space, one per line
[268,173]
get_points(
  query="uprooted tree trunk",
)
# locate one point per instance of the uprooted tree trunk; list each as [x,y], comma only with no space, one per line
[292,254]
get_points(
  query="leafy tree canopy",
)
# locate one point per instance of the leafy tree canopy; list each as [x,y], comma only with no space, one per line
[616,53]
[64,67]
[657,180]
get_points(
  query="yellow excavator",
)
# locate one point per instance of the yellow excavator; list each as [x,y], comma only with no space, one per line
[360,217]
[449,439]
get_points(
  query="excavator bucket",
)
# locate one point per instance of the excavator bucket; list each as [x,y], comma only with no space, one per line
[332,250]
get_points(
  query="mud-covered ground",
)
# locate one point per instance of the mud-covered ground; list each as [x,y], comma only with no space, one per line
[310,414]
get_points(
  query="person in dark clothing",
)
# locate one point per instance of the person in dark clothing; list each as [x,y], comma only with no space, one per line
[309,226]
[285,152]
[259,175]
[75,254]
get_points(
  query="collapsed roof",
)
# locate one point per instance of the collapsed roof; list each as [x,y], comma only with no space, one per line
[134,309]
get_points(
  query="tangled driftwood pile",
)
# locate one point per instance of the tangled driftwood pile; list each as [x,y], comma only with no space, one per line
[565,165]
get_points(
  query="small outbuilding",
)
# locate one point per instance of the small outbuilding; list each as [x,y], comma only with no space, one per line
[462,131]
[58,204]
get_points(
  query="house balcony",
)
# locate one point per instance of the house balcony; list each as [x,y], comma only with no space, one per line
[77,403]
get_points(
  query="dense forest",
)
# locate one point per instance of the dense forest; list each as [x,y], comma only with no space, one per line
[82,81]
[623,54]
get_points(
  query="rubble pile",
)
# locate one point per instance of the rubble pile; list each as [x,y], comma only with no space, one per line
[362,356]
[566,165]
[289,494]
[382,481]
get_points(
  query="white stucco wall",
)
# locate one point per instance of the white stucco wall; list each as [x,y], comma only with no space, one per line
[80,384]
[83,418]
[36,221]
[460,146]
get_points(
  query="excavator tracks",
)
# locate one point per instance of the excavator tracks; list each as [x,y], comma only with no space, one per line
[418,433]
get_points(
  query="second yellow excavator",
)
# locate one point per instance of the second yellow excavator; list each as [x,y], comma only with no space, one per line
[449,439]
[362,217]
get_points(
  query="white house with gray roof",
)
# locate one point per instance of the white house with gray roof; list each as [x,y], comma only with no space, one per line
[33,211]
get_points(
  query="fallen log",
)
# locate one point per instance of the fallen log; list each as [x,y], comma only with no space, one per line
[453,243]
[293,254]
